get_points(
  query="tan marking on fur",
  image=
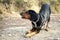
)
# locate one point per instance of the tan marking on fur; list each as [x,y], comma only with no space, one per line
[46,26]
[30,34]
[29,31]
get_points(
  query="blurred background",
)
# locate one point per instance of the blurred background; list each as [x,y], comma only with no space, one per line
[12,8]
[13,27]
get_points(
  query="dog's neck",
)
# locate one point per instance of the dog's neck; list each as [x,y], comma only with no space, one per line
[34,18]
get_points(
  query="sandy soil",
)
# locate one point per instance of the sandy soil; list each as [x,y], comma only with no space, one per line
[15,29]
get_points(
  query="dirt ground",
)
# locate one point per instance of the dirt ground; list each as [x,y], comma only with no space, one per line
[15,29]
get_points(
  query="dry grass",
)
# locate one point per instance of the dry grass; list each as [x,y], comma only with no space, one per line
[14,7]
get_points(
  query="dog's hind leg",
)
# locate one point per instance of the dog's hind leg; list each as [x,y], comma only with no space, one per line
[46,26]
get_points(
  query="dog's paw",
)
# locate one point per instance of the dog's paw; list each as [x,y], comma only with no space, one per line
[30,34]
[27,36]
[46,29]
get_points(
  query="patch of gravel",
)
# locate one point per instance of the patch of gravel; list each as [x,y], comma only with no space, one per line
[19,27]
[18,33]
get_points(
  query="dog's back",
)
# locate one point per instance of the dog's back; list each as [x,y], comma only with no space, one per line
[44,9]
[45,12]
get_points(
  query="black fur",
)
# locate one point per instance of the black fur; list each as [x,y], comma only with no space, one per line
[44,16]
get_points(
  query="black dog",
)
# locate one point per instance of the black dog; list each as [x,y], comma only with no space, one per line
[38,20]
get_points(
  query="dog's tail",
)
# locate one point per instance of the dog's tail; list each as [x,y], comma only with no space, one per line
[45,8]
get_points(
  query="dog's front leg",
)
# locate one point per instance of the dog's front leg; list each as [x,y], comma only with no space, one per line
[30,34]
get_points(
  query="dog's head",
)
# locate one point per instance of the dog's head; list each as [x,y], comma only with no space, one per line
[25,15]
[30,14]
